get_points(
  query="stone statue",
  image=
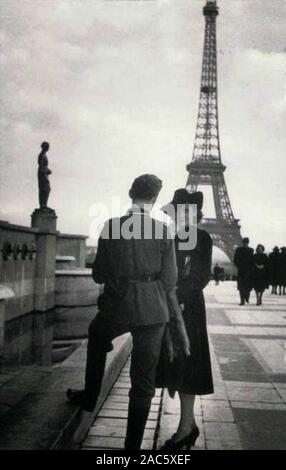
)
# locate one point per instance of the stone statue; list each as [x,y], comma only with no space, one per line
[43,176]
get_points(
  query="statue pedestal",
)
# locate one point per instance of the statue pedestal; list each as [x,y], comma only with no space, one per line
[45,219]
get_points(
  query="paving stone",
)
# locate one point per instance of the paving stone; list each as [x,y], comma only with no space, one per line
[251,331]
[102,442]
[213,444]
[219,394]
[262,440]
[119,391]
[276,331]
[120,414]
[109,431]
[262,318]
[281,378]
[207,402]
[124,379]
[123,385]
[113,443]
[242,367]
[120,422]
[243,376]
[218,414]
[219,329]
[109,405]
[279,385]
[262,429]
[125,374]
[112,413]
[118,398]
[257,395]
[258,406]
[125,391]
[217,316]
[114,398]
[271,352]
[226,431]
[282,393]
[233,384]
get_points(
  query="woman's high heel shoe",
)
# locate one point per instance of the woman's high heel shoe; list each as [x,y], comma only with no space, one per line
[187,442]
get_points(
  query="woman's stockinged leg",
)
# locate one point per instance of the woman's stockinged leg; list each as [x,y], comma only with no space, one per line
[187,418]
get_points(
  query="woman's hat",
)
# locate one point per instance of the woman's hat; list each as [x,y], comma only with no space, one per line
[182,196]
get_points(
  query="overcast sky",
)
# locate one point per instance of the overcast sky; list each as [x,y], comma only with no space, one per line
[114,87]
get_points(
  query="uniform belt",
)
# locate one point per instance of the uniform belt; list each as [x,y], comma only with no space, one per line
[143,278]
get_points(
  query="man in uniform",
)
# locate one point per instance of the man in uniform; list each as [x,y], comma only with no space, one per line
[137,271]
[243,262]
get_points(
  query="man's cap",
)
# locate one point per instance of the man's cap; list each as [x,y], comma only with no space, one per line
[245,240]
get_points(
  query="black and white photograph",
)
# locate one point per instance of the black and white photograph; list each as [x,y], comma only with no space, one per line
[142,228]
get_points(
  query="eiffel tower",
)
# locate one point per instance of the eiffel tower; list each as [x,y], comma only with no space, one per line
[206,167]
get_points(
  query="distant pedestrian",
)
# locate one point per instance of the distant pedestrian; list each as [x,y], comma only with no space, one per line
[222,274]
[217,273]
[243,260]
[274,269]
[282,271]
[260,272]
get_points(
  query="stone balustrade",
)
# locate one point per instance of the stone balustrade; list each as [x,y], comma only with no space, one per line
[5,294]
[54,294]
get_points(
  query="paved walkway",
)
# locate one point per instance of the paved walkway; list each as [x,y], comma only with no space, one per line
[248,408]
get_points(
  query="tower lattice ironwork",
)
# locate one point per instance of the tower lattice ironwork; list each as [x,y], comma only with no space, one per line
[206,167]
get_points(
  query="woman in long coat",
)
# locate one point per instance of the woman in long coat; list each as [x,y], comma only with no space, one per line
[274,269]
[191,375]
[260,272]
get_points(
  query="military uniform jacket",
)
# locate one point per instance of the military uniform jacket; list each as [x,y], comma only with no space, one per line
[150,252]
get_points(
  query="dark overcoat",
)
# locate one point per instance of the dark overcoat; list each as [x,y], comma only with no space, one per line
[260,275]
[243,260]
[193,374]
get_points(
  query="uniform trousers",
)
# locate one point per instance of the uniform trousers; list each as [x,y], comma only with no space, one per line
[145,355]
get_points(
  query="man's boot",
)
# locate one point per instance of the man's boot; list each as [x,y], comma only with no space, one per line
[75,397]
[97,347]
[241,298]
[137,418]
